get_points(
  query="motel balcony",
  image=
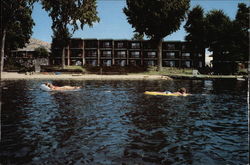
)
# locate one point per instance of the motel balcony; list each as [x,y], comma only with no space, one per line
[121,44]
[91,44]
[171,46]
[105,44]
[76,43]
[121,54]
[135,45]
[135,55]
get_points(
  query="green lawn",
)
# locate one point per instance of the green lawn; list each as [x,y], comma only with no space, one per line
[66,69]
[167,71]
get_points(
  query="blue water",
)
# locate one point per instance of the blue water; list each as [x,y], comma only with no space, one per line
[113,122]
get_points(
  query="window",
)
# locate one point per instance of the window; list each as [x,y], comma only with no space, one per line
[121,54]
[91,62]
[197,54]
[107,62]
[187,64]
[185,54]
[135,45]
[78,63]
[94,63]
[169,63]
[135,54]
[171,46]
[200,64]
[123,62]
[171,54]
[151,54]
[150,63]
[76,53]
[120,45]
[107,44]
[76,43]
[106,53]
[120,62]
[132,62]
[91,53]
[91,44]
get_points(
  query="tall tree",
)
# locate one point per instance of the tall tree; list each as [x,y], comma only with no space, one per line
[156,19]
[16,25]
[60,39]
[217,23]
[242,16]
[241,38]
[68,16]
[219,37]
[196,27]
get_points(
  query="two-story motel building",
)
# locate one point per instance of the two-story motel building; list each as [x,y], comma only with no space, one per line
[108,52]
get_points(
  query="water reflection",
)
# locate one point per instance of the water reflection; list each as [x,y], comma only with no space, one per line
[113,122]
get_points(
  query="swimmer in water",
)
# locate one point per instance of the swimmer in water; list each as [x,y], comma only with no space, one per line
[181,91]
[53,87]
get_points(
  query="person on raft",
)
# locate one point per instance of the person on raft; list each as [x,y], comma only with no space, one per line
[181,91]
[53,87]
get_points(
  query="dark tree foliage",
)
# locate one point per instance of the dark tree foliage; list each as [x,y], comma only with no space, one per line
[242,16]
[75,13]
[41,52]
[217,23]
[68,16]
[16,25]
[241,30]
[228,39]
[138,36]
[60,39]
[156,19]
[196,27]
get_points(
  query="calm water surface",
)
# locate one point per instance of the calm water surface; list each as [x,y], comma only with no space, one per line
[113,122]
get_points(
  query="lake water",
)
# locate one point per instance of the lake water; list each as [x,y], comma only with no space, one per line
[113,122]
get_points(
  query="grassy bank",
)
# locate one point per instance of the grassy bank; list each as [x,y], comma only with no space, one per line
[120,70]
[129,70]
[168,71]
[78,69]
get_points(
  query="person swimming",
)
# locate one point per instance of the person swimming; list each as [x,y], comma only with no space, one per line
[181,91]
[53,87]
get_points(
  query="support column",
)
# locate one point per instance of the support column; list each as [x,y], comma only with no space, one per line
[113,52]
[127,51]
[141,53]
[98,53]
[180,59]
[83,53]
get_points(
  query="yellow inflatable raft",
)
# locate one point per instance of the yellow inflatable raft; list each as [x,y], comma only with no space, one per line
[163,93]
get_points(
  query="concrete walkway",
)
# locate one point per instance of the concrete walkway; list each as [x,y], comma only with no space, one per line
[52,76]
[206,77]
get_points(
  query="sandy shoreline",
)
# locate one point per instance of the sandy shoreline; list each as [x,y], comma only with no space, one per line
[46,76]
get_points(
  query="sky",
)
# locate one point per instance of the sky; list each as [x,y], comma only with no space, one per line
[113,23]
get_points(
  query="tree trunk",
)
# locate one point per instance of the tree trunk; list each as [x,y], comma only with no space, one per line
[83,54]
[63,58]
[248,83]
[2,51]
[159,54]
[68,57]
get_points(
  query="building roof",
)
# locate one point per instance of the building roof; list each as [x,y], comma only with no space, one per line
[35,43]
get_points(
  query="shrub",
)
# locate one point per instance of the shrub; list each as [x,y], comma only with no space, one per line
[41,52]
